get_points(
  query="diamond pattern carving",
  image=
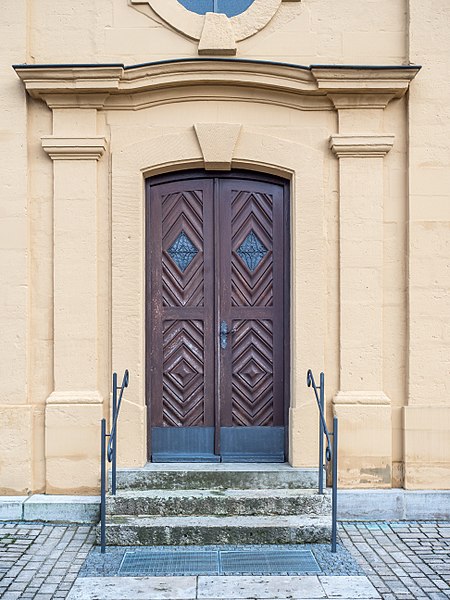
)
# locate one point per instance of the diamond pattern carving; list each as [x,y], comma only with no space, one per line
[183,372]
[252,373]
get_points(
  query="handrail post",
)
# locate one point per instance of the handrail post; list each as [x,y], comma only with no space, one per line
[321,431]
[331,450]
[335,484]
[114,440]
[109,453]
[103,487]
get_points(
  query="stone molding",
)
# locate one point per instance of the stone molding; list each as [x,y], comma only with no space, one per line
[115,86]
[74,148]
[261,152]
[362,146]
[363,100]
[217,155]
[75,397]
[41,79]
[363,397]
[342,79]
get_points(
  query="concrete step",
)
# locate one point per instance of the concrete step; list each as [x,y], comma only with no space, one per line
[182,531]
[204,476]
[218,502]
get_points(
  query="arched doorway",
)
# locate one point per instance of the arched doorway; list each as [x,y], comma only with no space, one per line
[217,305]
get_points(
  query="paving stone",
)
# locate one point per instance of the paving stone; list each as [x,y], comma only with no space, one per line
[130,588]
[348,587]
[416,555]
[402,560]
[260,587]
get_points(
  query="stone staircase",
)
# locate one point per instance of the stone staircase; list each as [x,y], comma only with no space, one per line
[202,504]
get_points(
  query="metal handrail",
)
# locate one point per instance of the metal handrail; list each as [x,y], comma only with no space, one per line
[331,451]
[109,453]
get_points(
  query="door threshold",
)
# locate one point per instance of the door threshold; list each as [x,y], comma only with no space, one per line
[183,459]
[220,466]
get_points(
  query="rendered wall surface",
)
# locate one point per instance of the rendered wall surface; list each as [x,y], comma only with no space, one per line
[427,413]
[370,224]
[16,423]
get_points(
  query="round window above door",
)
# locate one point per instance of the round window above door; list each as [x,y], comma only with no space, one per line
[231,8]
[218,25]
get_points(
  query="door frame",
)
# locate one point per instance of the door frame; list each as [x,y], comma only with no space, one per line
[234,174]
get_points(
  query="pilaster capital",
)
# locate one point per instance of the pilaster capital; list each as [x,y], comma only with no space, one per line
[74,148]
[362,100]
[361,145]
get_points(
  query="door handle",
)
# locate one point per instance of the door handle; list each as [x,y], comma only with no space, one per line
[224,333]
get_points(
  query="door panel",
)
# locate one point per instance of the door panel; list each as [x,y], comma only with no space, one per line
[252,302]
[183,374]
[181,334]
[216,306]
[252,373]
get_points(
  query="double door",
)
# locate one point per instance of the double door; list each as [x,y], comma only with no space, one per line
[217,334]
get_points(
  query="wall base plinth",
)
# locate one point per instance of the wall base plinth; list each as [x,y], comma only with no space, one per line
[365,439]
[72,439]
[427,447]
[16,438]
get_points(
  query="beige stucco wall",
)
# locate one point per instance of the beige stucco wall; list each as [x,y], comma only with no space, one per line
[17,416]
[426,416]
[370,229]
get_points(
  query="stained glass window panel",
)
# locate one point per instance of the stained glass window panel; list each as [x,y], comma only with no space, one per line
[252,251]
[182,251]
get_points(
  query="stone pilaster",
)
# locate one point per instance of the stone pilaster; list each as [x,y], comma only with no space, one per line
[75,407]
[361,405]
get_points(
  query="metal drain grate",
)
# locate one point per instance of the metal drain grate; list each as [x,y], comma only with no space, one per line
[181,561]
[174,561]
[268,562]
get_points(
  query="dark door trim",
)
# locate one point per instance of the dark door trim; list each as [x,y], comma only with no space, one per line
[215,176]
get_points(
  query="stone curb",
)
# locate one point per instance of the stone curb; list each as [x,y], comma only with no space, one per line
[50,508]
[365,505]
[393,505]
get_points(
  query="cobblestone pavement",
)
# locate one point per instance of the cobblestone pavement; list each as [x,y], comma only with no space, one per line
[41,561]
[404,560]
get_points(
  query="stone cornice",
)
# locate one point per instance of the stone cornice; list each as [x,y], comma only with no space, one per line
[74,148]
[98,85]
[360,146]
[40,80]
[364,79]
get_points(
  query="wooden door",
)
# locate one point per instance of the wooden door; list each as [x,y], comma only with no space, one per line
[217,334]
